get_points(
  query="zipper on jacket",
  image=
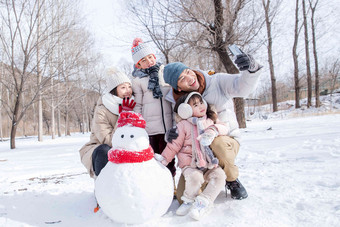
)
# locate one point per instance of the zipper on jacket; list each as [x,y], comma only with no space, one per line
[162,115]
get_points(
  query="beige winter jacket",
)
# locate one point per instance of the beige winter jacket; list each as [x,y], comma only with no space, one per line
[156,112]
[103,127]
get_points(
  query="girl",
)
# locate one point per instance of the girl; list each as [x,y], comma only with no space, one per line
[94,153]
[196,131]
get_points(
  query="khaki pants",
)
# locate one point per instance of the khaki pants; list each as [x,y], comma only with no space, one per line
[225,149]
[194,178]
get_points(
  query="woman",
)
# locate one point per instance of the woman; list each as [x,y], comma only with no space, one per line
[94,153]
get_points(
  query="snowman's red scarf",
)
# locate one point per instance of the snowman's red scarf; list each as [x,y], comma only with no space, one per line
[124,156]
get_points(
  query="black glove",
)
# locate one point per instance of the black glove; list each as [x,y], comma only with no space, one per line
[247,62]
[171,134]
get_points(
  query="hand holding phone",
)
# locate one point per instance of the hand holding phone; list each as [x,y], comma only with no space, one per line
[235,50]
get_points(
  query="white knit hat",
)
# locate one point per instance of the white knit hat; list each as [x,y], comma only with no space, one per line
[115,79]
[139,50]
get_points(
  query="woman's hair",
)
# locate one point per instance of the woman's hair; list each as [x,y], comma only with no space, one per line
[210,113]
[114,91]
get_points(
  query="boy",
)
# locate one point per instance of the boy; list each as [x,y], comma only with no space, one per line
[149,89]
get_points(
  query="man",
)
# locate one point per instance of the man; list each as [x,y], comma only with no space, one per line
[218,90]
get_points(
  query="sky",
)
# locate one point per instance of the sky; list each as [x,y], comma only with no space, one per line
[105,18]
[288,161]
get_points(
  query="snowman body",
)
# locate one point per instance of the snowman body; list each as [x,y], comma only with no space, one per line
[133,187]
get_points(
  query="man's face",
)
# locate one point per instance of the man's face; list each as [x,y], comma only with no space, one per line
[187,81]
[147,62]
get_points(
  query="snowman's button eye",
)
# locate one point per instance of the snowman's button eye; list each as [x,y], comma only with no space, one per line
[131,136]
[122,136]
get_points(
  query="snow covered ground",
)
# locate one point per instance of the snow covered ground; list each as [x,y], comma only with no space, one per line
[290,167]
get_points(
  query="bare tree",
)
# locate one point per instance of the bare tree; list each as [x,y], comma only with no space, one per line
[20,46]
[297,86]
[204,30]
[1,75]
[334,74]
[269,17]
[316,63]
[221,48]
[221,34]
[309,74]
[27,46]
[39,76]
[159,25]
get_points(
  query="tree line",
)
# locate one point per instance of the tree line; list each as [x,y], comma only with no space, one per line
[51,75]
[49,70]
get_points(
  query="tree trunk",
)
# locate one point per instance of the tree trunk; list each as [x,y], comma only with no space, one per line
[220,48]
[13,133]
[1,75]
[270,55]
[316,62]
[40,115]
[295,58]
[309,75]
[86,117]
[52,120]
[15,120]
[67,120]
[83,114]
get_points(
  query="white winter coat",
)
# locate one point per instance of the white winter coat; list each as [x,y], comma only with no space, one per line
[156,112]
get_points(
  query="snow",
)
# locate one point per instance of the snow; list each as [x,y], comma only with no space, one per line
[289,164]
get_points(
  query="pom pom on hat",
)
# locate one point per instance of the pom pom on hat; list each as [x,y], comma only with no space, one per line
[172,72]
[139,50]
[131,118]
[114,79]
[136,42]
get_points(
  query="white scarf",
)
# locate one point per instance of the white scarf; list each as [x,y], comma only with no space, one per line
[111,102]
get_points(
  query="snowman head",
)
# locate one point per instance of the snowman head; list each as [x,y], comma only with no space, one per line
[130,142]
[130,133]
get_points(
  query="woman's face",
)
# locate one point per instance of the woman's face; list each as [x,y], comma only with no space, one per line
[124,90]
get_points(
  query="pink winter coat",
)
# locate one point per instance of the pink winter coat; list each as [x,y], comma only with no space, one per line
[182,145]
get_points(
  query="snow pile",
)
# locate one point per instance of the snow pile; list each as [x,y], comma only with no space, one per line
[329,104]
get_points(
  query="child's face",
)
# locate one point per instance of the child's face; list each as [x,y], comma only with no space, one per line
[198,107]
[124,90]
[187,81]
[147,62]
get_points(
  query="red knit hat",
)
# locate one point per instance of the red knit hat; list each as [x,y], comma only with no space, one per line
[131,118]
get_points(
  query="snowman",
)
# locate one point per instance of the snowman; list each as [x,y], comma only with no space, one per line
[133,187]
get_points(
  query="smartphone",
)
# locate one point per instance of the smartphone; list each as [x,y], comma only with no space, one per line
[235,50]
